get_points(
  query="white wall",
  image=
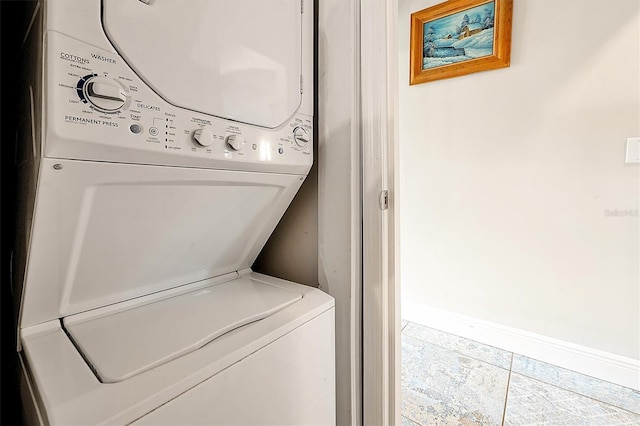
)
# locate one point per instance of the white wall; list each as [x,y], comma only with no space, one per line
[291,252]
[507,176]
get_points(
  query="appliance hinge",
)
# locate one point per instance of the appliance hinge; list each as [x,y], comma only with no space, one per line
[301,6]
[384,199]
[301,83]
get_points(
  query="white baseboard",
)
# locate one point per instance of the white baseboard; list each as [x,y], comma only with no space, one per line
[591,362]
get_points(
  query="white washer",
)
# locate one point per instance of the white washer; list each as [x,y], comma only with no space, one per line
[168,137]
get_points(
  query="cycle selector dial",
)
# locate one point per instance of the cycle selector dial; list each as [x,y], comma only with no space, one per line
[301,137]
[103,93]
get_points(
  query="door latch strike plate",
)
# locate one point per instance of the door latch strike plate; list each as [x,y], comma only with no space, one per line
[384,199]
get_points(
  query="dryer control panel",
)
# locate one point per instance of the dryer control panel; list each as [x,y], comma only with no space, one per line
[98,109]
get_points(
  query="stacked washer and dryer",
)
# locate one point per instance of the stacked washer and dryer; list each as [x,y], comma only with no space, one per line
[168,137]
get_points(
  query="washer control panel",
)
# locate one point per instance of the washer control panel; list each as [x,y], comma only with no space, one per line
[99,109]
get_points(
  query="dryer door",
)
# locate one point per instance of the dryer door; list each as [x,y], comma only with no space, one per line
[239,60]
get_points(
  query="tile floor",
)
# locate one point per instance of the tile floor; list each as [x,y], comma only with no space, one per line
[449,380]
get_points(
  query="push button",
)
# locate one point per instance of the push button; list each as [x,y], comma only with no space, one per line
[135,128]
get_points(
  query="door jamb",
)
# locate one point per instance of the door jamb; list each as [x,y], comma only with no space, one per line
[380,251]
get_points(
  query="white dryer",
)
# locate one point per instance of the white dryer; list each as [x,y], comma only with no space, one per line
[168,139]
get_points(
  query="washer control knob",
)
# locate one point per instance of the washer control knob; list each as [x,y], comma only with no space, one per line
[235,142]
[105,93]
[300,136]
[203,136]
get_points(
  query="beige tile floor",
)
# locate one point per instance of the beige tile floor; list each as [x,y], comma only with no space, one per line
[449,380]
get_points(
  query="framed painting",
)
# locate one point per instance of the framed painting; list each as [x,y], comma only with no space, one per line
[460,37]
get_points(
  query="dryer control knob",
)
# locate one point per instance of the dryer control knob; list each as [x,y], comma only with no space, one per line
[300,136]
[235,142]
[203,136]
[105,93]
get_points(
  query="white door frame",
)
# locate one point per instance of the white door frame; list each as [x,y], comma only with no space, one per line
[357,240]
[381,296]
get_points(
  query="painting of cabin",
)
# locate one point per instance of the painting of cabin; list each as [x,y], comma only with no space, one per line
[459,37]
[469,30]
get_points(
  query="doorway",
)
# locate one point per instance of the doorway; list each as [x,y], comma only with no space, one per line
[514,255]
[537,198]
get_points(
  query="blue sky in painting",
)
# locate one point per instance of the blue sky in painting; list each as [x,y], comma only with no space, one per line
[448,23]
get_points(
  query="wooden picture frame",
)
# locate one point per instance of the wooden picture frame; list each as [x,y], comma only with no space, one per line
[459,37]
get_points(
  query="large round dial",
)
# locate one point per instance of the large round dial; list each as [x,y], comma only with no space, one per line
[104,93]
[300,136]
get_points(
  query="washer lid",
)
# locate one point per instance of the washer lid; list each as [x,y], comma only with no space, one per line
[240,60]
[120,342]
[104,233]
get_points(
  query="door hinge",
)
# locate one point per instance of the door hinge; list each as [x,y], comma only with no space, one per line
[301,84]
[301,6]
[384,199]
